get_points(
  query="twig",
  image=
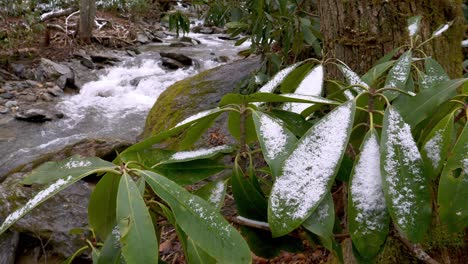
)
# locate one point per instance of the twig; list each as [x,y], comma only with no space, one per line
[417,250]
[50,15]
[250,223]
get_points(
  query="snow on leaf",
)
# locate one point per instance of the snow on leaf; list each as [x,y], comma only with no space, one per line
[35,201]
[312,84]
[198,116]
[217,194]
[433,149]
[199,153]
[308,171]
[270,86]
[299,107]
[352,77]
[405,186]
[366,188]
[76,164]
[399,73]
[413,25]
[441,29]
[274,136]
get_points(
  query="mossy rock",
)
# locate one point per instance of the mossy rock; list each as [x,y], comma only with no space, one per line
[200,92]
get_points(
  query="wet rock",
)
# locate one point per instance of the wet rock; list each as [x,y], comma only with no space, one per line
[184,60]
[52,220]
[29,98]
[82,73]
[228,37]
[222,59]
[171,64]
[55,91]
[7,95]
[190,40]
[58,73]
[200,92]
[46,97]
[84,58]
[180,44]
[4,110]
[202,29]
[131,53]
[11,104]
[18,69]
[142,38]
[34,115]
[104,58]
[8,245]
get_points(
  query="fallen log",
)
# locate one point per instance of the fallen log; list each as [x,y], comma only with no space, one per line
[55,14]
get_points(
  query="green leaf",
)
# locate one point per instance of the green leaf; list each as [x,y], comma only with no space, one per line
[398,75]
[414,23]
[273,98]
[195,131]
[308,172]
[196,255]
[74,166]
[322,220]
[404,183]
[275,140]
[263,245]
[368,218]
[435,74]
[200,221]
[453,186]
[292,81]
[137,234]
[292,121]
[373,75]
[102,205]
[352,78]
[111,252]
[235,130]
[441,29]
[203,153]
[250,201]
[270,86]
[437,145]
[147,157]
[190,172]
[39,198]
[213,193]
[417,108]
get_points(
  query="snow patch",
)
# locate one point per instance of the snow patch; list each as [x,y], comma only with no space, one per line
[274,136]
[184,155]
[76,164]
[270,86]
[400,140]
[441,30]
[433,149]
[366,188]
[307,171]
[217,193]
[197,116]
[399,72]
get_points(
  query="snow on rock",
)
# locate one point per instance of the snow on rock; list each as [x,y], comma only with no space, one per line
[402,153]
[310,167]
[366,188]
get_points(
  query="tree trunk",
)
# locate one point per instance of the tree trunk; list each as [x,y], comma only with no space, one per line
[359,32]
[87,14]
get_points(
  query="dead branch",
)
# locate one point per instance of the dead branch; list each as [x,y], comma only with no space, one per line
[417,250]
[56,14]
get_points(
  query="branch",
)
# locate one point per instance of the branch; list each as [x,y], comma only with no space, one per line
[417,250]
[60,13]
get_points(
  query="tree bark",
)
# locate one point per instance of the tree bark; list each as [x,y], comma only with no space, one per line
[359,32]
[87,15]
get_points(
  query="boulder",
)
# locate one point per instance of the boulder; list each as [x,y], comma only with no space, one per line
[58,73]
[82,73]
[84,58]
[200,92]
[34,115]
[52,220]
[172,64]
[184,60]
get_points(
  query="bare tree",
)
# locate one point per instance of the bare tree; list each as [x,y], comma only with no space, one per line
[87,15]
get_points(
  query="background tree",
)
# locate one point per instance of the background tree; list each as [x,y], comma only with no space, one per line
[360,32]
[87,14]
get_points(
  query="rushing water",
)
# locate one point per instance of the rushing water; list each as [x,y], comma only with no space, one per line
[115,106]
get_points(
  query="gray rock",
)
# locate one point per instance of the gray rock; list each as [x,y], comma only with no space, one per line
[104,58]
[7,95]
[8,245]
[55,91]
[4,110]
[172,64]
[52,220]
[142,38]
[59,73]
[18,69]
[82,73]
[221,59]
[10,104]
[34,115]
[184,60]
[29,97]
[46,97]
[180,44]
[198,93]
[84,58]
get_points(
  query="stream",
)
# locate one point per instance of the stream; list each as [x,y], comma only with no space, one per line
[115,106]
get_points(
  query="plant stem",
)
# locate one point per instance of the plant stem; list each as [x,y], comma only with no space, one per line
[417,250]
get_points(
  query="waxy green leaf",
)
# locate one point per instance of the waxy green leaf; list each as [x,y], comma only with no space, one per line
[368,218]
[308,172]
[213,193]
[453,186]
[404,183]
[322,220]
[137,235]
[200,221]
[398,75]
[275,139]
